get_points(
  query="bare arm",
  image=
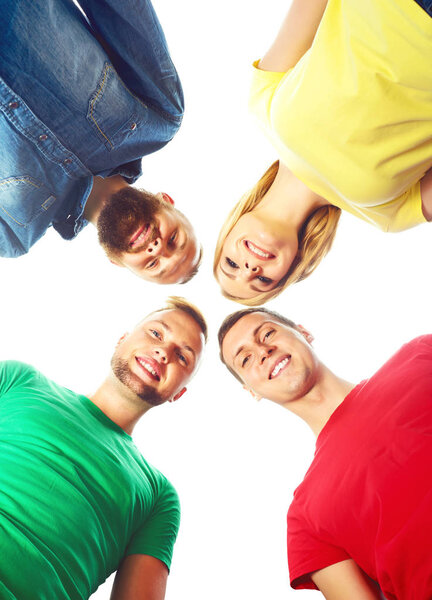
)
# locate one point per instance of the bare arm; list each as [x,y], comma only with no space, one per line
[295,36]
[426,194]
[345,580]
[140,577]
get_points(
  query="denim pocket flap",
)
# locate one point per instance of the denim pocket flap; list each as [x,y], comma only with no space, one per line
[113,111]
[23,199]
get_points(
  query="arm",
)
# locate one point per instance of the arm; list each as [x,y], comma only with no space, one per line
[345,580]
[140,577]
[295,36]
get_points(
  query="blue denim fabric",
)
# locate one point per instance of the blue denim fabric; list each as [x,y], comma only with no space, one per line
[72,107]
[426,5]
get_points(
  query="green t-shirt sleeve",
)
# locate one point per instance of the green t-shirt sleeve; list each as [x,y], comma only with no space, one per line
[13,374]
[158,533]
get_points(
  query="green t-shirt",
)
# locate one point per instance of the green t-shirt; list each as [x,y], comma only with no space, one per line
[76,495]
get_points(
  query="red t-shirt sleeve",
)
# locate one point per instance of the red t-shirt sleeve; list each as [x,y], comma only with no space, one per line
[307,553]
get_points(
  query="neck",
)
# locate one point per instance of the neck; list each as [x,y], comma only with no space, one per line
[119,404]
[290,199]
[318,405]
[102,189]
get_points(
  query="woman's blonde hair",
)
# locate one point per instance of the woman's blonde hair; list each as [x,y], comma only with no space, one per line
[314,240]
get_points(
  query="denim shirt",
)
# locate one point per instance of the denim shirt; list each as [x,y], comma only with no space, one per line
[72,108]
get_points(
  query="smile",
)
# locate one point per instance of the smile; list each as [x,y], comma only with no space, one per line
[140,236]
[280,366]
[256,251]
[150,367]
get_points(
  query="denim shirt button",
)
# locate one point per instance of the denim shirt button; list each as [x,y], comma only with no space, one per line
[13,104]
[133,126]
[67,161]
[43,137]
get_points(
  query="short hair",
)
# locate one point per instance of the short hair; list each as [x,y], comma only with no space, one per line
[194,271]
[179,303]
[315,238]
[232,319]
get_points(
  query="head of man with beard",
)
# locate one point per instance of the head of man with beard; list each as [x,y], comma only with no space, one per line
[146,234]
[153,363]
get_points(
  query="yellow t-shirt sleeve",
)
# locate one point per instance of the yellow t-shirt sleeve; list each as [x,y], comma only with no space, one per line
[409,213]
[263,87]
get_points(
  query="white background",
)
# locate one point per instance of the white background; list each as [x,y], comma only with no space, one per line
[234,462]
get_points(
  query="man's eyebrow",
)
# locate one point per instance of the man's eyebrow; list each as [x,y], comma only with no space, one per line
[164,325]
[191,350]
[254,333]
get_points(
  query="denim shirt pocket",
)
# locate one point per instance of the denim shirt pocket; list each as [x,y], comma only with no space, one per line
[113,111]
[23,199]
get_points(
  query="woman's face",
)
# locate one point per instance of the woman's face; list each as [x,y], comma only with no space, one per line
[256,255]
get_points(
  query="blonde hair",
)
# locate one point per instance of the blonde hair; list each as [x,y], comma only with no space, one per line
[314,239]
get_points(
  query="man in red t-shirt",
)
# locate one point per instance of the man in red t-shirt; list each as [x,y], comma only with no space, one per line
[363,513]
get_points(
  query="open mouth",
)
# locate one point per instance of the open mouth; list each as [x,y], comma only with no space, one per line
[279,366]
[140,236]
[150,367]
[257,251]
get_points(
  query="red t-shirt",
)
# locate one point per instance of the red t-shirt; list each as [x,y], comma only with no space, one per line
[368,492]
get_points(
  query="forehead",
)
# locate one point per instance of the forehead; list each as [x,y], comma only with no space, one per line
[243,332]
[177,324]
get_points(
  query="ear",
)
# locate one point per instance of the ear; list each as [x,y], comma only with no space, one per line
[167,198]
[178,395]
[124,336]
[253,394]
[305,333]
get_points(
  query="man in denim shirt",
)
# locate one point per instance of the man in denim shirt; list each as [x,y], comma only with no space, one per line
[82,98]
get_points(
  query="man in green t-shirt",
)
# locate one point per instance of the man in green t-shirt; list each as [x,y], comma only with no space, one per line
[77,499]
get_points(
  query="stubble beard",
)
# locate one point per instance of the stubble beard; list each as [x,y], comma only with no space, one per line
[122,214]
[139,388]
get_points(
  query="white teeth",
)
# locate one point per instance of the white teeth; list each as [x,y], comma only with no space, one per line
[278,367]
[147,367]
[258,250]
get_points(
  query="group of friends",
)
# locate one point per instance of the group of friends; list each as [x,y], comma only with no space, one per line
[344,93]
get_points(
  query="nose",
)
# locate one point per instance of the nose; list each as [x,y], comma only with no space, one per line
[265,353]
[250,270]
[163,353]
[155,247]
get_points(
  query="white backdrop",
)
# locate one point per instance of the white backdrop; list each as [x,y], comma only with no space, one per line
[234,462]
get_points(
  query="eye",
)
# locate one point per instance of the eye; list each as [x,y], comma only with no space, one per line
[152,264]
[266,280]
[231,263]
[182,358]
[173,238]
[155,333]
[268,334]
[244,361]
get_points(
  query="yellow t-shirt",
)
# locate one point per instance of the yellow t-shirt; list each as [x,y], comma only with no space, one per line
[353,118]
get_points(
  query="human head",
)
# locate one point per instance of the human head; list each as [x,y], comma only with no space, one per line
[146,234]
[269,354]
[157,359]
[288,261]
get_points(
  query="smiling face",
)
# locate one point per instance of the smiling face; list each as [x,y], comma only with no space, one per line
[256,255]
[160,356]
[148,236]
[272,359]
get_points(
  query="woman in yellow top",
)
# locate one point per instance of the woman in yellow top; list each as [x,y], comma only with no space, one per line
[345,95]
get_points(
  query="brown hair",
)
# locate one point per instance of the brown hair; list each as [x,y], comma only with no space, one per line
[314,239]
[232,319]
[179,303]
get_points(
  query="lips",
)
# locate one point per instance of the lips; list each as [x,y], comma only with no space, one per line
[257,251]
[149,366]
[140,236]
[279,365]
